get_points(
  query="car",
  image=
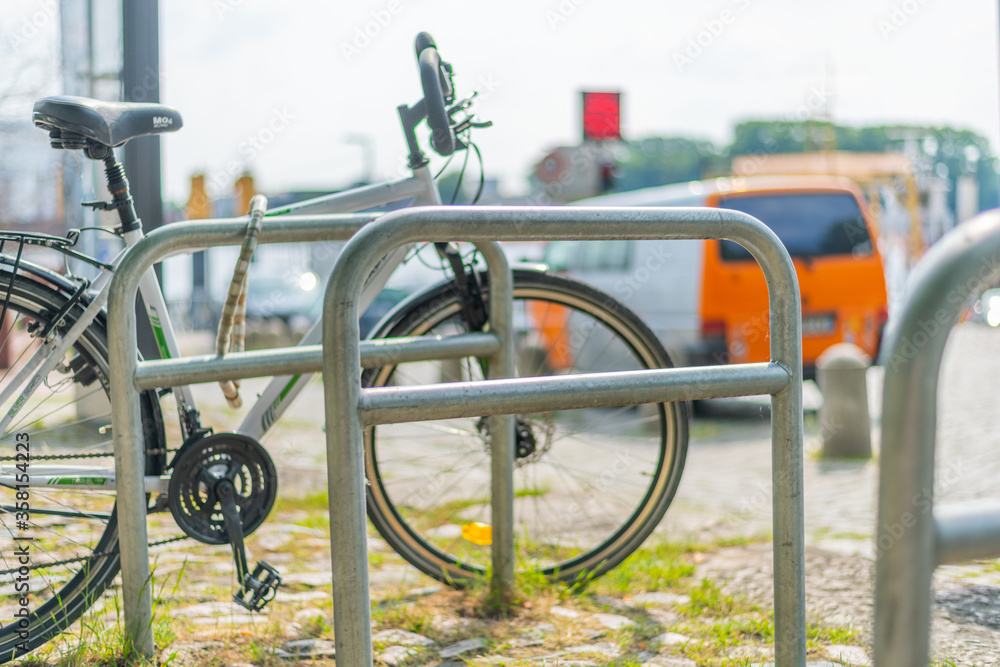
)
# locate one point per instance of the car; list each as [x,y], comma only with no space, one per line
[987,308]
[288,297]
[707,299]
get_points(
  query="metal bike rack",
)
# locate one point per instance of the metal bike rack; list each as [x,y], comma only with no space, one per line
[350,408]
[913,539]
[128,376]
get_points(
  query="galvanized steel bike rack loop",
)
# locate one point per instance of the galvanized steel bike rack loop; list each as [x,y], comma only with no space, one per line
[125,414]
[913,538]
[349,408]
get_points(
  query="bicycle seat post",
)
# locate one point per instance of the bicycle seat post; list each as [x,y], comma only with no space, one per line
[121,195]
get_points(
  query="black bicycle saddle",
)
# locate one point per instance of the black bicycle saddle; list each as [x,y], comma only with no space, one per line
[70,120]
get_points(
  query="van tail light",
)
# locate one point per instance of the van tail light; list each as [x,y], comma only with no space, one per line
[713,330]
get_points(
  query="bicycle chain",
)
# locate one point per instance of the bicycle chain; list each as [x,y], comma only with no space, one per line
[91,557]
[59,457]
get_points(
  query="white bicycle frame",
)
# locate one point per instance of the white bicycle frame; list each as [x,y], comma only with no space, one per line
[276,397]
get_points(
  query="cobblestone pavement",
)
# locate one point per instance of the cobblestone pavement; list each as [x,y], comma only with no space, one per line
[725,492]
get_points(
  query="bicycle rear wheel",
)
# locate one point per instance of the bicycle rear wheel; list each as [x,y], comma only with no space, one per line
[590,485]
[72,553]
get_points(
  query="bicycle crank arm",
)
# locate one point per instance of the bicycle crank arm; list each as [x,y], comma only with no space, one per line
[255,592]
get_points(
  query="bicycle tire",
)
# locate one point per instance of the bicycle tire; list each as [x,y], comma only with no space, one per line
[88,534]
[423,505]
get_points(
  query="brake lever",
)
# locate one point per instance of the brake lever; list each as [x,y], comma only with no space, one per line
[466,123]
[462,104]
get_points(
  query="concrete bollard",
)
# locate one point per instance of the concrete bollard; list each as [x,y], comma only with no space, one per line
[845,425]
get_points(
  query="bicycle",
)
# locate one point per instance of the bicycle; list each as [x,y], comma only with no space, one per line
[591,485]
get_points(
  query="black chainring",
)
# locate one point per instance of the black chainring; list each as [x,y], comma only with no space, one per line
[200,465]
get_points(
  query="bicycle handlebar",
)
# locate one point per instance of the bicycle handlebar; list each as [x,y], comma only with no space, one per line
[436,83]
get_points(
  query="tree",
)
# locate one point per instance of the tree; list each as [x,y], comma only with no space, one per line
[662,160]
[946,151]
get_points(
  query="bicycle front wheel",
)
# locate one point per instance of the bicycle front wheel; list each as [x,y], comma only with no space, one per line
[58,535]
[590,485]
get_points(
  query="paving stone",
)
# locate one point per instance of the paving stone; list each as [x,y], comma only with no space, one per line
[588,635]
[541,629]
[186,653]
[526,642]
[448,624]
[394,655]
[669,661]
[214,609]
[300,596]
[660,598]
[313,648]
[665,618]
[293,528]
[464,646]
[313,579]
[751,652]
[402,638]
[416,593]
[274,541]
[390,577]
[565,612]
[606,649]
[232,619]
[670,639]
[849,655]
[614,603]
[614,621]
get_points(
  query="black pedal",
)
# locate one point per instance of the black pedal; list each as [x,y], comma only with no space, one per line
[258,591]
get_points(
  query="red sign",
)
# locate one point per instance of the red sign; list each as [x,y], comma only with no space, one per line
[602,116]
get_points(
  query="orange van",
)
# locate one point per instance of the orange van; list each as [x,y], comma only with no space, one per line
[707,300]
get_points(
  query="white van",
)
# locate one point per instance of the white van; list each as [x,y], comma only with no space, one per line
[707,300]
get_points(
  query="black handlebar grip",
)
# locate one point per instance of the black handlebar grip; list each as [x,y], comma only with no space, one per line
[423,41]
[432,80]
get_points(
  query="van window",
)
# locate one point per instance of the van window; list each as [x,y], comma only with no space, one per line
[604,255]
[558,253]
[588,255]
[810,225]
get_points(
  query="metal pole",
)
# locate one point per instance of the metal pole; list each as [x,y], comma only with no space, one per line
[954,269]
[342,370]
[345,459]
[394,405]
[126,416]
[501,427]
[141,83]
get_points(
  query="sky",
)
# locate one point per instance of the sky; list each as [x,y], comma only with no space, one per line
[288,90]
